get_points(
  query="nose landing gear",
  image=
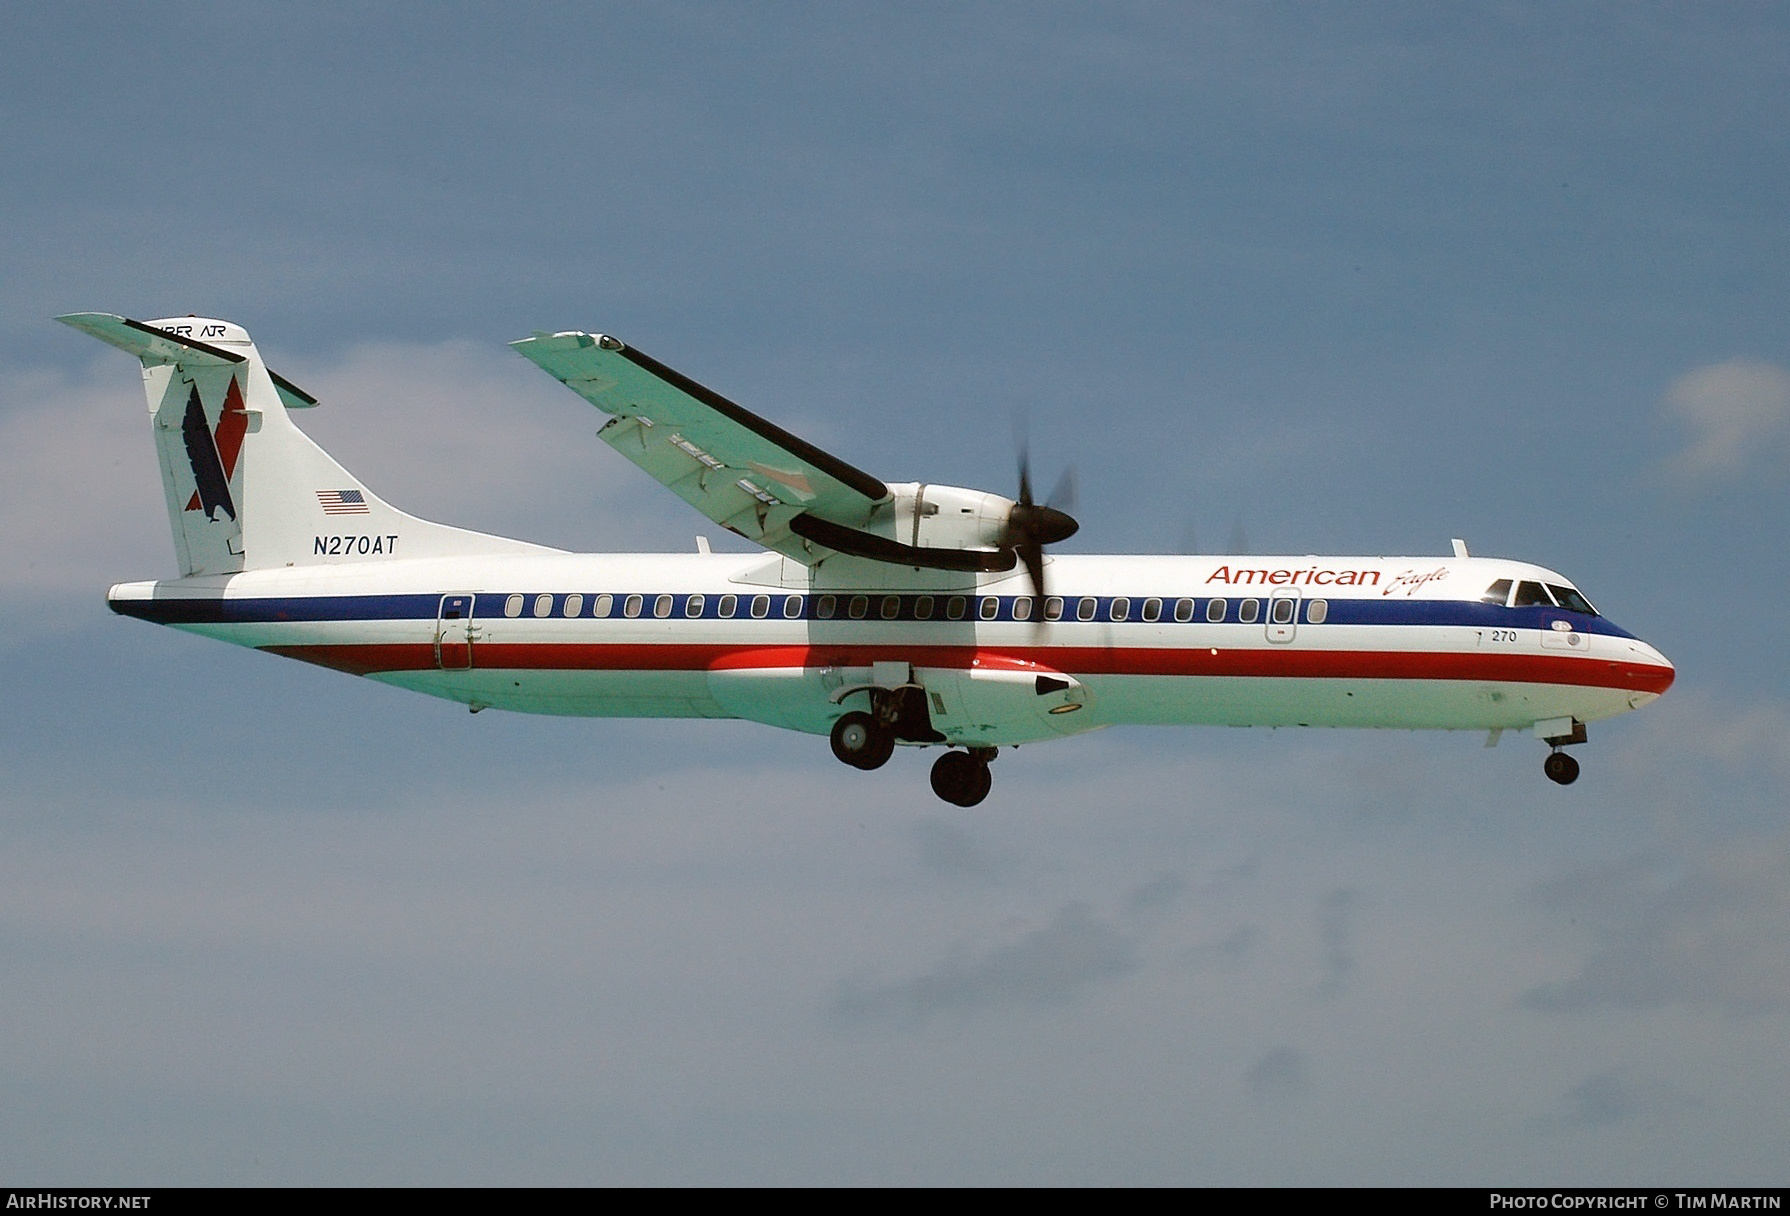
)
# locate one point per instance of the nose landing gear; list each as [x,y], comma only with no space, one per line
[1561,768]
[1557,733]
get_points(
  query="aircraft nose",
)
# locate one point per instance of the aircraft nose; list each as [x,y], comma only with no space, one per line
[1654,671]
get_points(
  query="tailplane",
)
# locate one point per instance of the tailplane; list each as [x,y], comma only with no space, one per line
[246,489]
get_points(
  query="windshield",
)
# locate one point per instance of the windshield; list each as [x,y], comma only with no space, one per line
[1529,594]
[1571,600]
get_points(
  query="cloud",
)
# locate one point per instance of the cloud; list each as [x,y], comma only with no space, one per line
[1736,412]
[1284,1072]
[1614,1098]
[1156,895]
[1229,952]
[1718,936]
[1048,966]
[472,434]
[79,489]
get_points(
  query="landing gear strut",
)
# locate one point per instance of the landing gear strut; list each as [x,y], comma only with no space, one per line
[1561,768]
[962,778]
[867,740]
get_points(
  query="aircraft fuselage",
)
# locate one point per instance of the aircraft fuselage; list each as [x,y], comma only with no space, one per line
[1241,641]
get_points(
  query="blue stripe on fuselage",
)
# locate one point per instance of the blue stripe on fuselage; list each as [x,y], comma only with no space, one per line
[489,606]
[215,611]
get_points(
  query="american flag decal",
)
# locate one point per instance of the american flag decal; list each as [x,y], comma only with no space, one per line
[343,502]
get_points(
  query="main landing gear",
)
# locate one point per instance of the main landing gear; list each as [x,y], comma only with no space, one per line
[962,778]
[861,741]
[867,740]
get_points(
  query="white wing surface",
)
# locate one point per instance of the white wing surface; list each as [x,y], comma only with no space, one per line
[746,473]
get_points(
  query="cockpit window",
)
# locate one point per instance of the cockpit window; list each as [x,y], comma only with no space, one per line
[1571,600]
[1529,594]
[1498,593]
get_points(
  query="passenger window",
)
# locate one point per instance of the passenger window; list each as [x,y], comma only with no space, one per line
[1053,608]
[1215,610]
[694,605]
[662,606]
[829,604]
[543,605]
[1530,594]
[1183,610]
[954,607]
[631,606]
[604,606]
[574,605]
[891,607]
[728,606]
[1022,607]
[761,607]
[1152,609]
[1248,610]
[860,604]
[513,606]
[1498,593]
[792,607]
[1121,609]
[923,608]
[1571,600]
[1281,611]
[1086,608]
[991,607]
[1317,612]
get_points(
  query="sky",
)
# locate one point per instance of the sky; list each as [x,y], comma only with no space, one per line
[1302,277]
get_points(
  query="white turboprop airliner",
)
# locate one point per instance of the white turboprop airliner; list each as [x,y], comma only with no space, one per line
[884,614]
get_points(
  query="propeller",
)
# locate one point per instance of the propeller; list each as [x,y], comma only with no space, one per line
[1032,525]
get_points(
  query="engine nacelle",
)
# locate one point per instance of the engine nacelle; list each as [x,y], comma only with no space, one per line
[942,517]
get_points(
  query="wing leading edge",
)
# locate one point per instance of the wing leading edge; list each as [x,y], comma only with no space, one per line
[742,471]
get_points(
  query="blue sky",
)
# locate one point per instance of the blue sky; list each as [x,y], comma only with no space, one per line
[1342,278]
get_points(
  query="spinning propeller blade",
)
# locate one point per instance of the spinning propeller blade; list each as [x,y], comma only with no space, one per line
[1032,525]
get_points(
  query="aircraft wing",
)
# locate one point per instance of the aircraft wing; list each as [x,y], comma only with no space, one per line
[747,474]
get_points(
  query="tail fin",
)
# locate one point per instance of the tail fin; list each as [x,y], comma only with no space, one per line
[246,489]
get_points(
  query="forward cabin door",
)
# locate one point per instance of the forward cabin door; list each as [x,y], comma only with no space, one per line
[454,633]
[1283,616]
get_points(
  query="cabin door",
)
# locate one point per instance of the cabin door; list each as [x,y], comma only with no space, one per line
[454,633]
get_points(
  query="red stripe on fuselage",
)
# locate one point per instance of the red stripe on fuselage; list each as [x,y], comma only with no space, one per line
[1078,660]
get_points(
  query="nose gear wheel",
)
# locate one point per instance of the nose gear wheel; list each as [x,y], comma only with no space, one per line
[1560,768]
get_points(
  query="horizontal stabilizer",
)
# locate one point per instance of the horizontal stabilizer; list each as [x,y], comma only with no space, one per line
[156,345]
[148,343]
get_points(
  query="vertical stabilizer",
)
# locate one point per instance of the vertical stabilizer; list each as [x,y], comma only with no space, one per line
[245,488]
